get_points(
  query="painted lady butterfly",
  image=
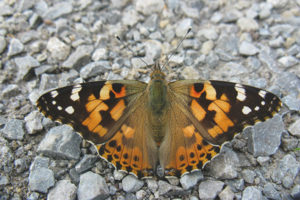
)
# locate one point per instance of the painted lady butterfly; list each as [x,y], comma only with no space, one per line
[180,125]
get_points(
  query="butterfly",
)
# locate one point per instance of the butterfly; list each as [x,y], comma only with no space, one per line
[179,125]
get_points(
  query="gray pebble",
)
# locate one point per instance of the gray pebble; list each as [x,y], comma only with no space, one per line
[183,26]
[41,179]
[92,186]
[79,57]
[13,129]
[63,190]
[86,163]
[294,128]
[248,176]
[148,7]
[25,66]
[270,192]
[61,142]
[286,171]
[252,192]
[226,194]
[269,133]
[58,49]
[10,91]
[4,180]
[58,10]
[94,69]
[15,47]
[190,180]
[247,49]
[224,166]
[210,189]
[131,184]
[33,122]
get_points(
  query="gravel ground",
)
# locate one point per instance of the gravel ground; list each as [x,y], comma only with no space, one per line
[47,44]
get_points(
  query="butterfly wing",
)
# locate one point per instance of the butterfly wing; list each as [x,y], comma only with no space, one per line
[204,115]
[109,114]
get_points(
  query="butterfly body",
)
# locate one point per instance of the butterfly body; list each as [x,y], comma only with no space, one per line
[179,125]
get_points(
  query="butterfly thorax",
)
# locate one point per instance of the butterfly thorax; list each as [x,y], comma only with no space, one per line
[157,88]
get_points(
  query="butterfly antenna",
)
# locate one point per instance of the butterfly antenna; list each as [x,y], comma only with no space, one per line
[172,53]
[122,42]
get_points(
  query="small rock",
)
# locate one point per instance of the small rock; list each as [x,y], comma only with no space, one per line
[152,185]
[58,49]
[151,22]
[2,44]
[294,128]
[270,192]
[232,16]
[248,49]
[183,26]
[153,49]
[75,177]
[141,194]
[13,129]
[276,43]
[15,47]
[10,91]
[226,194]
[251,192]
[190,180]
[33,122]
[131,184]
[210,189]
[164,187]
[63,190]
[148,7]
[26,65]
[33,196]
[207,47]
[3,180]
[118,175]
[5,9]
[266,137]
[247,24]
[92,186]
[86,163]
[289,144]
[286,171]
[80,57]
[265,10]
[99,54]
[130,17]
[262,160]
[59,9]
[224,166]
[190,73]
[292,102]
[94,69]
[41,179]
[278,3]
[61,142]
[20,165]
[288,61]
[248,176]
[39,162]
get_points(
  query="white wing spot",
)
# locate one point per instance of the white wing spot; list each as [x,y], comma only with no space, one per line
[246,110]
[256,108]
[262,93]
[53,102]
[240,92]
[263,103]
[54,94]
[75,91]
[74,97]
[69,110]
[59,107]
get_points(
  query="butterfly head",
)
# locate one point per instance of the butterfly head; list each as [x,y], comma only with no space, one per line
[157,74]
